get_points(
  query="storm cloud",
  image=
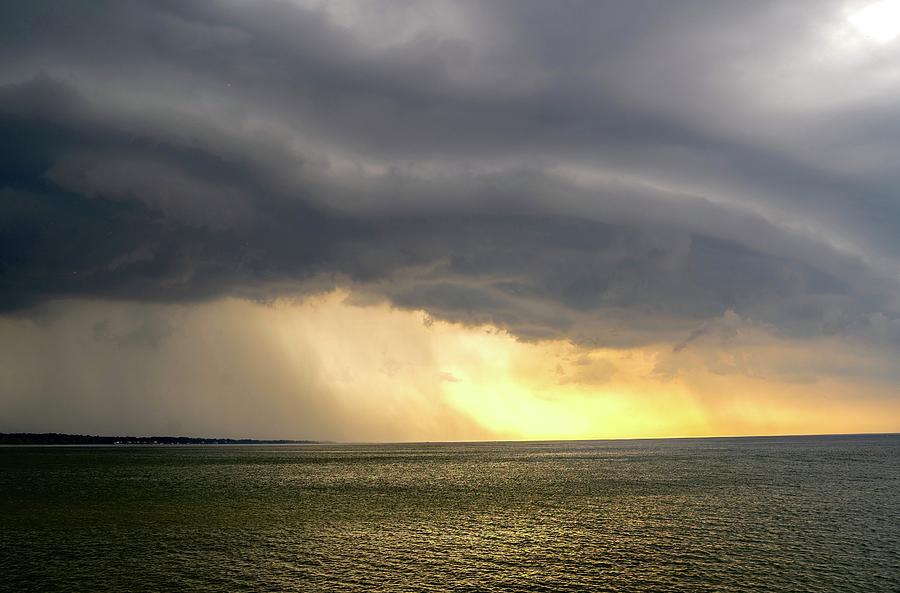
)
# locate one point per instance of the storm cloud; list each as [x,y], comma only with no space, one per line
[612,174]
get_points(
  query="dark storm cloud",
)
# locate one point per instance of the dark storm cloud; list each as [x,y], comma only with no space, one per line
[604,172]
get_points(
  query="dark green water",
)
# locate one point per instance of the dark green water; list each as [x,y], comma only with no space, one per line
[779,514]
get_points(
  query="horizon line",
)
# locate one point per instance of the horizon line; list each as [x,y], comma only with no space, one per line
[297,441]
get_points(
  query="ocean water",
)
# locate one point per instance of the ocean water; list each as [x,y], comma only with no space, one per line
[760,514]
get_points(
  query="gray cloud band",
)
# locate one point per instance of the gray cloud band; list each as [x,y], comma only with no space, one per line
[575,174]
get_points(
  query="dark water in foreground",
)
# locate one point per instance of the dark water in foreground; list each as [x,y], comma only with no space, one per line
[775,514]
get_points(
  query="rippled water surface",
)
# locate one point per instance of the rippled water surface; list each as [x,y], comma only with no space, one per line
[775,514]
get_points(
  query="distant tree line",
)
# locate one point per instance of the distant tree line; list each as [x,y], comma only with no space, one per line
[55,438]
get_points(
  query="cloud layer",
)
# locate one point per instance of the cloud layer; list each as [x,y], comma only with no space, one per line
[613,174]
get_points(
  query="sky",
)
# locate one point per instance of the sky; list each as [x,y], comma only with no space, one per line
[394,220]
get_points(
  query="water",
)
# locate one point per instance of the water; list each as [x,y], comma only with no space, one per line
[773,514]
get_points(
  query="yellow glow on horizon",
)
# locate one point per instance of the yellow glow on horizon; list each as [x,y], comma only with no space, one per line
[326,368]
[443,381]
[522,390]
